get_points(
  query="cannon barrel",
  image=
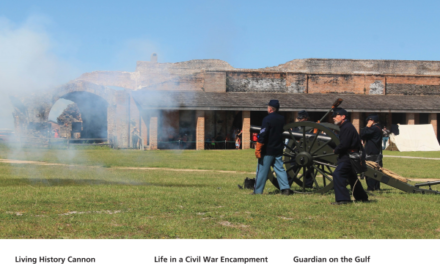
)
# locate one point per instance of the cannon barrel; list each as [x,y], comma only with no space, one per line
[286,134]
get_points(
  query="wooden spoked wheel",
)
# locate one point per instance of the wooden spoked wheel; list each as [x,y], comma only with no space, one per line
[308,157]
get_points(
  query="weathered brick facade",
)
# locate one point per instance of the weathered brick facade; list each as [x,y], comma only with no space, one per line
[308,77]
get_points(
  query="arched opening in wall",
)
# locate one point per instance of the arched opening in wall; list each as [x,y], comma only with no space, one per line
[84,116]
[62,116]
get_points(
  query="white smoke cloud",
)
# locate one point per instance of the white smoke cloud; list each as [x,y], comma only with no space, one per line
[28,62]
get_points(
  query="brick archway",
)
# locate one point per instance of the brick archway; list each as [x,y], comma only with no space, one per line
[94,103]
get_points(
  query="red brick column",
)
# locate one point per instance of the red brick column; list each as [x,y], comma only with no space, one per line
[355,120]
[200,130]
[410,118]
[416,119]
[144,132]
[433,122]
[153,132]
[246,130]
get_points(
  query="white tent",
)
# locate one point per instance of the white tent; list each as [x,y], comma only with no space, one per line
[416,138]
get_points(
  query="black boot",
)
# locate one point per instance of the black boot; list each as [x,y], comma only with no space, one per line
[286,192]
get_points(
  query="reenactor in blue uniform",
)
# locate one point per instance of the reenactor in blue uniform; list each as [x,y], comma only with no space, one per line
[372,136]
[302,116]
[349,141]
[269,150]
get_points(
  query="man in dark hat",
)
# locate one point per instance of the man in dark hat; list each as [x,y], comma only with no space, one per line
[349,141]
[269,150]
[372,136]
[302,116]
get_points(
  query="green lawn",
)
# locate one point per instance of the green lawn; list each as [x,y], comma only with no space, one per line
[236,160]
[105,202]
[230,160]
[423,154]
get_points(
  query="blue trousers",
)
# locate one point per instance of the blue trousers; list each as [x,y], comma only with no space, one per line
[264,164]
[385,139]
[341,176]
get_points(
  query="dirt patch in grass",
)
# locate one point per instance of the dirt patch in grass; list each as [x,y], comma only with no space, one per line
[229,224]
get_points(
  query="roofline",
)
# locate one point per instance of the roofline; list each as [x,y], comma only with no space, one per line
[219,108]
[321,73]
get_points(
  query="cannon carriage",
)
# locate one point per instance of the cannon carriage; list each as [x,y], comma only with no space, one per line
[309,153]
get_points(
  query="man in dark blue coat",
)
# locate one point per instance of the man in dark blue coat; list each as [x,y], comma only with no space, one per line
[372,136]
[349,141]
[269,150]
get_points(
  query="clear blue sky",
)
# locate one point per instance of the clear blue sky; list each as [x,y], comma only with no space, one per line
[113,35]
[44,44]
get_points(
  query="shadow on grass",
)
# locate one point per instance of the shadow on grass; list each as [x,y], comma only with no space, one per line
[86,182]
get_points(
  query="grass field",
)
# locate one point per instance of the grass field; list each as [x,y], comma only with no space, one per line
[95,199]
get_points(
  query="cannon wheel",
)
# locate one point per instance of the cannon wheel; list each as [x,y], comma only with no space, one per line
[306,153]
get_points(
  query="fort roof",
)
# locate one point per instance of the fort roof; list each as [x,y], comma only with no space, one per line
[289,102]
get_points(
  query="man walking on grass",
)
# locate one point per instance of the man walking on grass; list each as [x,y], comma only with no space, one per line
[269,150]
[349,142]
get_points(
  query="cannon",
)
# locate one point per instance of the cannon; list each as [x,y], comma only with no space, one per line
[309,153]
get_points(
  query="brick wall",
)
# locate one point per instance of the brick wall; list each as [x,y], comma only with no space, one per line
[336,84]
[374,84]
[296,83]
[304,83]
[413,85]
[111,78]
[122,119]
[256,82]
[215,82]
[297,76]
[343,66]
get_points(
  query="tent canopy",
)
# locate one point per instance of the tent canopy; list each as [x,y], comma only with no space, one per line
[416,138]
